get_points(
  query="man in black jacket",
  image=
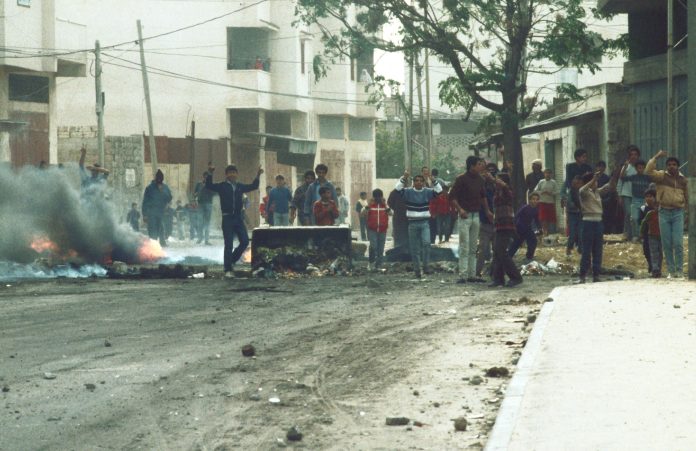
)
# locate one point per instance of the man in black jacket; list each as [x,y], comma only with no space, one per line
[231,203]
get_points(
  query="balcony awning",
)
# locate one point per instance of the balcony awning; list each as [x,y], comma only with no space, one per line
[629,6]
[553,123]
[8,125]
[291,151]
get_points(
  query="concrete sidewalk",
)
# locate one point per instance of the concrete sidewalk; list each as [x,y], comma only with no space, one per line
[608,366]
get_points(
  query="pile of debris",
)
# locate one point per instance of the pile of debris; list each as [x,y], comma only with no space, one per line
[534,268]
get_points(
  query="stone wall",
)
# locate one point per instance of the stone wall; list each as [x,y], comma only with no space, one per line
[123,157]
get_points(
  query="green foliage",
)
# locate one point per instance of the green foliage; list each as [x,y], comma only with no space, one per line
[390,156]
[390,152]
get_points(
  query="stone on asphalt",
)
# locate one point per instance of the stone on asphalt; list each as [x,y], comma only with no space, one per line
[460,424]
[248,351]
[497,372]
[294,434]
[397,421]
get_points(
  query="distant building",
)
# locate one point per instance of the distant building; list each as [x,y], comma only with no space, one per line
[248,81]
[645,73]
[28,120]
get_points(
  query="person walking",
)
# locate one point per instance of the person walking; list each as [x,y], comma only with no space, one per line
[231,204]
[672,199]
[343,207]
[504,221]
[155,199]
[204,199]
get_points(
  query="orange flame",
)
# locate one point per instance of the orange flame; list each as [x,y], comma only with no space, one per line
[150,251]
[246,256]
[42,244]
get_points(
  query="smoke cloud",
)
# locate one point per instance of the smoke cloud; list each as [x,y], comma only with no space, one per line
[48,203]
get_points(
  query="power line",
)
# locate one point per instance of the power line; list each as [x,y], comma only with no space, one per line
[167,73]
[166,33]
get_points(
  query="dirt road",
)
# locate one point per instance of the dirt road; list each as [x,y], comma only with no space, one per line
[103,364]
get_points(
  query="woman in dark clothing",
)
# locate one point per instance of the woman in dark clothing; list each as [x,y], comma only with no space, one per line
[504,220]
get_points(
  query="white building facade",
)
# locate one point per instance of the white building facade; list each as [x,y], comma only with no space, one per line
[28,80]
[243,72]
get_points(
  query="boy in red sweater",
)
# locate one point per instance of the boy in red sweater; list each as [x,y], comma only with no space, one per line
[440,209]
[325,210]
[377,214]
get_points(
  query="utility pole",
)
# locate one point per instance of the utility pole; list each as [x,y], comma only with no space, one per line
[99,102]
[427,111]
[421,116]
[192,160]
[410,112]
[691,144]
[405,133]
[148,105]
[670,78]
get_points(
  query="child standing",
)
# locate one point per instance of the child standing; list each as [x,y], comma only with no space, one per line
[547,189]
[592,225]
[279,200]
[525,222]
[325,209]
[504,220]
[650,230]
[440,210]
[639,184]
[377,215]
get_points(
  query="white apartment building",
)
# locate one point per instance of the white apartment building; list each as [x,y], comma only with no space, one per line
[28,125]
[243,72]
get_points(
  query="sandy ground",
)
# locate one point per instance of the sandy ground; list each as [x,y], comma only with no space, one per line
[157,364]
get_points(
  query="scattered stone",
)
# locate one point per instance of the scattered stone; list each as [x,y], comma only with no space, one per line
[409,428]
[54,418]
[548,300]
[255,397]
[90,387]
[677,306]
[107,343]
[248,351]
[281,443]
[476,380]
[531,318]
[436,404]
[397,421]
[5,389]
[49,376]
[460,424]
[515,360]
[416,393]
[497,372]
[294,434]
[524,300]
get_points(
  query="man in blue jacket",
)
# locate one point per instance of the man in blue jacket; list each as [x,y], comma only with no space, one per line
[155,200]
[232,204]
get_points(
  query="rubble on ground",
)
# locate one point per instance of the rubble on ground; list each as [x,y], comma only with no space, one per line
[534,268]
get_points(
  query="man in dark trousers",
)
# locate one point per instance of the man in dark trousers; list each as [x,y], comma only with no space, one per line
[155,200]
[232,204]
[205,209]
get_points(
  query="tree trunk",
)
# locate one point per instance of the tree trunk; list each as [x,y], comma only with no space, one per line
[513,152]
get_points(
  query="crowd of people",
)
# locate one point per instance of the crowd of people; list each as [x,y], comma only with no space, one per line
[478,205]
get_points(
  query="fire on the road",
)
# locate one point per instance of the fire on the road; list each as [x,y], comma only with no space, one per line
[42,244]
[150,251]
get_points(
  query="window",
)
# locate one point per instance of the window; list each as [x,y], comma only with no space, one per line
[24,2]
[248,49]
[302,57]
[28,88]
[360,129]
[331,127]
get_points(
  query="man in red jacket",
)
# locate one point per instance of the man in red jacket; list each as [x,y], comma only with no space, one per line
[377,214]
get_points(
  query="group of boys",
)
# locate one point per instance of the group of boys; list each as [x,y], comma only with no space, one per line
[653,202]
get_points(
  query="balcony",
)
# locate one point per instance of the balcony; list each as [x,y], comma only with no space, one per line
[629,6]
[654,68]
[71,36]
[252,79]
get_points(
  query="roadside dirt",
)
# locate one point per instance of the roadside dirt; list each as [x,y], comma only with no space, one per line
[340,353]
